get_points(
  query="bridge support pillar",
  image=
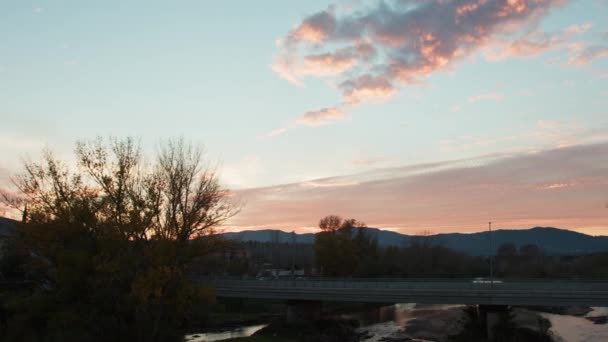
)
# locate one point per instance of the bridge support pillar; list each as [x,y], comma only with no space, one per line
[299,311]
[490,316]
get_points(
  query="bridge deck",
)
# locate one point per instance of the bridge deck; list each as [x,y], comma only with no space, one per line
[546,293]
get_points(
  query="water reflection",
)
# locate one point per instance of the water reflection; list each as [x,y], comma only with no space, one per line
[397,313]
[224,335]
[389,321]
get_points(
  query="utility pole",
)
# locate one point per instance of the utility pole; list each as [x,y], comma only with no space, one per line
[293,254]
[24,216]
[491,255]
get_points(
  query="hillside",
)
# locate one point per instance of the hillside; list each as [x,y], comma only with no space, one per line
[7,227]
[553,241]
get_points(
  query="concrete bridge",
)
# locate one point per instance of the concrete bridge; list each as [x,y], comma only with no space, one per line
[430,291]
[304,297]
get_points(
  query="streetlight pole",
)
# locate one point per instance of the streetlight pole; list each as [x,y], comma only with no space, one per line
[491,255]
[293,254]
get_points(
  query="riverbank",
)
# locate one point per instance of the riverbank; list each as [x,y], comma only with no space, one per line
[589,327]
[324,330]
[240,318]
[439,323]
[456,323]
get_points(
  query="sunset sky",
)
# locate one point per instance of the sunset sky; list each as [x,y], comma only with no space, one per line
[409,115]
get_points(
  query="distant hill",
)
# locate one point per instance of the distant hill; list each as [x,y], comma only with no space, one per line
[553,241]
[7,227]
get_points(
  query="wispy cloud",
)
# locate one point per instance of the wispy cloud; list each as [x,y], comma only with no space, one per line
[321,117]
[555,186]
[581,53]
[486,97]
[564,187]
[533,43]
[373,162]
[544,134]
[275,132]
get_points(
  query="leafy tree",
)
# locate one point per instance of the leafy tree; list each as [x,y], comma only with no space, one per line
[343,247]
[109,242]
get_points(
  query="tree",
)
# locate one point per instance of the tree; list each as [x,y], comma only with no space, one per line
[330,223]
[116,234]
[342,247]
[507,250]
[506,259]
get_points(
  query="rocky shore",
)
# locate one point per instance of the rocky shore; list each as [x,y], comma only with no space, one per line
[457,324]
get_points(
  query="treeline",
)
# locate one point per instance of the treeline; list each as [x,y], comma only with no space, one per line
[283,255]
[530,261]
[345,248]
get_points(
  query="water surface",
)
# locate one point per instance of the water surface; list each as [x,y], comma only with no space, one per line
[224,335]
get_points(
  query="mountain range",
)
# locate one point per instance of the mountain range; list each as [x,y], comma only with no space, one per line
[553,241]
[7,227]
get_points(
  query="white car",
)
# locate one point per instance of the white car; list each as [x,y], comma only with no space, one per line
[481,280]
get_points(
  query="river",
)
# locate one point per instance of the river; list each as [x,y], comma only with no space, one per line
[392,320]
[224,335]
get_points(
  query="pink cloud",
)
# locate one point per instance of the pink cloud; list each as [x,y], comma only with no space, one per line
[565,187]
[327,64]
[554,186]
[314,29]
[533,43]
[578,28]
[372,51]
[321,117]
[413,38]
[581,53]
[276,132]
[367,88]
[315,118]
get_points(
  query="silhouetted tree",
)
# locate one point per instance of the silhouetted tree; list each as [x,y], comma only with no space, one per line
[342,247]
[507,250]
[330,223]
[112,240]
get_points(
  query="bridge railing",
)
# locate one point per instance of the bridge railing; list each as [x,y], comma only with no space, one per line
[436,284]
[413,280]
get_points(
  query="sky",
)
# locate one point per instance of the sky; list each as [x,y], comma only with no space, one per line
[409,115]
